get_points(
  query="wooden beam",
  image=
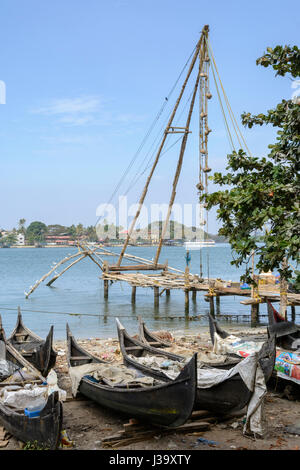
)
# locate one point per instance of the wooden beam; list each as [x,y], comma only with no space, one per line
[137,267]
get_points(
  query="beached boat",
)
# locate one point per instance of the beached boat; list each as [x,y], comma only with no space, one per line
[267,350]
[223,362]
[163,404]
[287,333]
[44,429]
[37,351]
[228,394]
[214,327]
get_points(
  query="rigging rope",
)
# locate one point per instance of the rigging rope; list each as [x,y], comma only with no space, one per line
[228,105]
[147,134]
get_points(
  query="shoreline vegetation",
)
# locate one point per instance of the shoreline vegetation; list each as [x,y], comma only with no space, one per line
[38,234]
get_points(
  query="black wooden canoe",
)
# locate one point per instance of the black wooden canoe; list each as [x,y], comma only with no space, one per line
[34,349]
[228,396]
[287,333]
[45,429]
[167,404]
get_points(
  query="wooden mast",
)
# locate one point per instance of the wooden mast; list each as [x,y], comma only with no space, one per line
[169,129]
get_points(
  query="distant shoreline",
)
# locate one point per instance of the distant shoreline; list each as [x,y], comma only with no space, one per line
[105,246]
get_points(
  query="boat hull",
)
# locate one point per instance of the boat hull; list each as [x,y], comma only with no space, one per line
[43,430]
[167,404]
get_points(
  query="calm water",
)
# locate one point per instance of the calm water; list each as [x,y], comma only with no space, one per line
[80,291]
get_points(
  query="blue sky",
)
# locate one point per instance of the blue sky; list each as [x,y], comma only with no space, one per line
[84,81]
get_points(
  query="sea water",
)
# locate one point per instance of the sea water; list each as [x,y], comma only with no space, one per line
[77,296]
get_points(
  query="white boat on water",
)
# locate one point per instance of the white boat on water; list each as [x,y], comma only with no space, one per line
[196,245]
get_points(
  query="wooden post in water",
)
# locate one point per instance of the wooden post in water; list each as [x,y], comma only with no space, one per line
[293,313]
[211,306]
[133,294]
[167,292]
[105,289]
[186,301]
[194,295]
[218,304]
[254,314]
[105,269]
[156,296]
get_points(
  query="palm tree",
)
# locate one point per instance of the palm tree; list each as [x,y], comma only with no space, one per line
[22,225]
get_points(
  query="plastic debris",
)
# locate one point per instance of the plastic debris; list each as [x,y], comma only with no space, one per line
[202,440]
[64,440]
[53,387]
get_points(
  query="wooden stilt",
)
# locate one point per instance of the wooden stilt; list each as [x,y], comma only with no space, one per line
[186,301]
[293,313]
[211,306]
[133,294]
[167,292]
[254,314]
[218,304]
[156,296]
[194,295]
[105,288]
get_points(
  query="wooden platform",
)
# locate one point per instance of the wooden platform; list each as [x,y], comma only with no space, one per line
[167,280]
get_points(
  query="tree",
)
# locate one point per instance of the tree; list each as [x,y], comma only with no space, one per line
[9,239]
[79,230]
[36,231]
[72,231]
[22,226]
[264,193]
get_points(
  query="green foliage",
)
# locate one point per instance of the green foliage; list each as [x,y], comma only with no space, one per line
[34,445]
[9,239]
[283,59]
[265,192]
[36,231]
[22,226]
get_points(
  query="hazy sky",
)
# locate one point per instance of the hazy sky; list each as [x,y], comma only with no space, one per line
[84,81]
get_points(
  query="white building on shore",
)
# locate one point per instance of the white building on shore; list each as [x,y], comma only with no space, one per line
[20,239]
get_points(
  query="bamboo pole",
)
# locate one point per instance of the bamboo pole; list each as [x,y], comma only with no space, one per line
[142,198]
[89,254]
[27,294]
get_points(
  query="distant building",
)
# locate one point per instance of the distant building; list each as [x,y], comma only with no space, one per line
[20,239]
[58,240]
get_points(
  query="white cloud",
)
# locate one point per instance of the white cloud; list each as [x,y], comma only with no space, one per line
[71,106]
[85,110]
[73,111]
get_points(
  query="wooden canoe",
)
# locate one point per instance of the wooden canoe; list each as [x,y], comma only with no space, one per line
[228,396]
[287,333]
[149,338]
[34,349]
[166,404]
[267,353]
[45,429]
